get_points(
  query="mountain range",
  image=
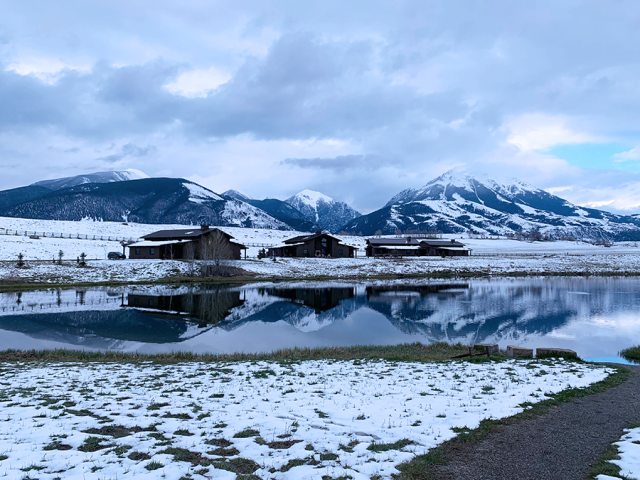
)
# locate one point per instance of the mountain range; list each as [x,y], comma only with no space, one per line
[132,196]
[455,203]
[451,203]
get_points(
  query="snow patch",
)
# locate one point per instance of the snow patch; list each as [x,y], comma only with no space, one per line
[200,194]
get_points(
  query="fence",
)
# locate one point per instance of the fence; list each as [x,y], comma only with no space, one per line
[72,236]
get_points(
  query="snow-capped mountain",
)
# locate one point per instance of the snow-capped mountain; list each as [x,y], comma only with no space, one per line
[98,177]
[237,195]
[150,200]
[323,210]
[277,209]
[455,203]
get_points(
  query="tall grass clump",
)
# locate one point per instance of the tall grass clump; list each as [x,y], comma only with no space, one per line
[631,354]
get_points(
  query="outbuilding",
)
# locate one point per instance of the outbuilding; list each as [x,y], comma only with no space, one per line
[188,243]
[414,247]
[314,245]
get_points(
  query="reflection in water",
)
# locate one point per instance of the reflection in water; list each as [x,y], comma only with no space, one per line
[567,312]
[207,307]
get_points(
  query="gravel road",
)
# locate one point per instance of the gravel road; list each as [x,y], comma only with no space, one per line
[559,444]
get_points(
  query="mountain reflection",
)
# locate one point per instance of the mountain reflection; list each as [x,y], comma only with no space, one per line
[467,312]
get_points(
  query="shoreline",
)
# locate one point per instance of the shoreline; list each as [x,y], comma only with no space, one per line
[103,273]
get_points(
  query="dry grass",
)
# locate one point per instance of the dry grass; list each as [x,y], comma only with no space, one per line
[408,352]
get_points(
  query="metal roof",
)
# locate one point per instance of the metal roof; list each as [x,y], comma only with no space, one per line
[300,239]
[194,232]
[157,243]
[381,242]
[442,243]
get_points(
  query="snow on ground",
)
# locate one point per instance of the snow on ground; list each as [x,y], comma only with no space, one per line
[629,452]
[348,268]
[282,421]
[46,248]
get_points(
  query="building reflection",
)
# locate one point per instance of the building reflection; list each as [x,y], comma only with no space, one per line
[318,299]
[208,308]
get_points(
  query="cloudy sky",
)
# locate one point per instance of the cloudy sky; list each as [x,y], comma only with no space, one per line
[355,99]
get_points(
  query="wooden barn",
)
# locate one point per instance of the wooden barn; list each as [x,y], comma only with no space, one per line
[315,245]
[188,243]
[414,247]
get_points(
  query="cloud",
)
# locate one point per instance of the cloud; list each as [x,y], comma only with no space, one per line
[198,82]
[404,92]
[539,131]
[129,150]
[633,154]
[340,163]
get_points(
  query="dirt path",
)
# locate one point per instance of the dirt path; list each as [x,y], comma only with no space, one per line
[559,444]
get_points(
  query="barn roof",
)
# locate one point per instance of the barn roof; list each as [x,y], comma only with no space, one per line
[393,242]
[183,233]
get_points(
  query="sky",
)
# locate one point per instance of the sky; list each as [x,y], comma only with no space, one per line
[358,99]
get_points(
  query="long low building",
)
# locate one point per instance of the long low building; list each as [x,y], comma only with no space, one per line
[201,242]
[314,245]
[414,247]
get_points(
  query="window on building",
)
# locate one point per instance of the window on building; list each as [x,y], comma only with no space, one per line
[137,251]
[305,252]
[152,251]
[339,252]
[151,302]
[136,302]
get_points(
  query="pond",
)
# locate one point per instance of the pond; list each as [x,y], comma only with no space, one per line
[597,317]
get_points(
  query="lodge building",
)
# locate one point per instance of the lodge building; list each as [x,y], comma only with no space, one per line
[407,247]
[183,244]
[314,245]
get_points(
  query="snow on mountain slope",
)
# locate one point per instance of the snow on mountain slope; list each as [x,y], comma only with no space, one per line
[200,194]
[322,209]
[98,177]
[237,195]
[456,202]
[150,200]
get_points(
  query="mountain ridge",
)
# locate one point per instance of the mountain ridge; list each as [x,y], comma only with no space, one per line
[456,202]
[323,210]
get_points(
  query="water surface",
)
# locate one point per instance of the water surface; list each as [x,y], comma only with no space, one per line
[597,317]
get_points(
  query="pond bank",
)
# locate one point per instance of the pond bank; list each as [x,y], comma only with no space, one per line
[37,274]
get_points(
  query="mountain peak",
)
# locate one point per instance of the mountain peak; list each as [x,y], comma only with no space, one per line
[313,197]
[238,195]
[97,177]
[322,209]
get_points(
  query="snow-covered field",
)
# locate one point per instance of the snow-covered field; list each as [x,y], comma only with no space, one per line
[283,421]
[46,248]
[347,268]
[629,452]
[499,257]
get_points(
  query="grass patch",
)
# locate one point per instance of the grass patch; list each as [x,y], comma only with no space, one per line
[57,445]
[115,431]
[249,432]
[408,352]
[224,452]
[282,444]
[239,466]
[93,444]
[632,354]
[138,456]
[385,447]
[184,455]
[328,456]
[419,467]
[153,466]
[603,465]
[294,462]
